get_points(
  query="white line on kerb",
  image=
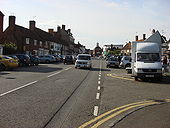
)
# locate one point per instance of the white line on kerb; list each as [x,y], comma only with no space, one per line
[97,96]
[96,109]
[18,88]
[98,88]
[98,82]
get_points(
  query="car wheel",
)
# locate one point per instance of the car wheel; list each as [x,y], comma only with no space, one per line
[47,61]
[136,78]
[2,67]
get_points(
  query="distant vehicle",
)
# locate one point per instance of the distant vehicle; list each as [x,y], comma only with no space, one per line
[68,59]
[34,60]
[125,62]
[83,61]
[47,59]
[112,62]
[7,62]
[24,59]
[57,58]
[14,57]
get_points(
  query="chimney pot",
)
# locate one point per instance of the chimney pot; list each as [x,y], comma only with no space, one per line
[144,36]
[58,28]
[32,25]
[11,20]
[136,38]
[63,27]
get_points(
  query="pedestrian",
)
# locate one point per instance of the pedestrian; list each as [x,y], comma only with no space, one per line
[165,62]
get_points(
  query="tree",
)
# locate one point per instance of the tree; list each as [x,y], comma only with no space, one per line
[9,48]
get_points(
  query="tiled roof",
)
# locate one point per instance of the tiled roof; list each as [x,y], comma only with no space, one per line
[127,46]
[1,14]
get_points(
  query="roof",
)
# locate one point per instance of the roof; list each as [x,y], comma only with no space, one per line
[1,14]
[127,46]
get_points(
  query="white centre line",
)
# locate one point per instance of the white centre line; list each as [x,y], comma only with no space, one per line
[97,96]
[99,78]
[54,74]
[98,82]
[98,88]
[18,88]
[67,68]
[99,75]
[96,109]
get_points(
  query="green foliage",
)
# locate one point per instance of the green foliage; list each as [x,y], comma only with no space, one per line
[9,48]
[114,52]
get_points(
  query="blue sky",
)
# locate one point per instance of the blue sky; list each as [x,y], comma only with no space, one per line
[92,21]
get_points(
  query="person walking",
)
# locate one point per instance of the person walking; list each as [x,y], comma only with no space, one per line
[165,62]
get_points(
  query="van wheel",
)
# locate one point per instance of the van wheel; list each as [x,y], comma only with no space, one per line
[127,65]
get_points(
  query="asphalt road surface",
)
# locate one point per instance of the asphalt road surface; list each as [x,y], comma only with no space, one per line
[60,96]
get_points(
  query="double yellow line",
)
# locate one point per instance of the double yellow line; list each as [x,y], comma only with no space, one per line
[119,77]
[96,122]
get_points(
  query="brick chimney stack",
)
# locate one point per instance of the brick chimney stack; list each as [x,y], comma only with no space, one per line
[32,25]
[63,27]
[12,21]
[136,38]
[50,31]
[1,22]
[69,31]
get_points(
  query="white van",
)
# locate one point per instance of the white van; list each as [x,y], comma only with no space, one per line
[83,61]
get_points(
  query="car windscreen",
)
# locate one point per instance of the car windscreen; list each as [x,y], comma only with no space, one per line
[148,57]
[113,59]
[84,58]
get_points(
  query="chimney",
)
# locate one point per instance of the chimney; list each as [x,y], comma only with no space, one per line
[136,38]
[51,31]
[1,22]
[11,20]
[69,31]
[63,27]
[144,36]
[153,31]
[58,28]
[32,25]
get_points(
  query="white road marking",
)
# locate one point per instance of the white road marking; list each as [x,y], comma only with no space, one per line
[98,82]
[98,96]
[58,72]
[99,75]
[98,88]
[54,74]
[67,68]
[99,78]
[18,88]
[96,109]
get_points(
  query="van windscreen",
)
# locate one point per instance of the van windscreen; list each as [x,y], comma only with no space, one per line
[84,58]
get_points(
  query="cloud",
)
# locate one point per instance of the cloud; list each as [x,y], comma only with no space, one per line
[112,4]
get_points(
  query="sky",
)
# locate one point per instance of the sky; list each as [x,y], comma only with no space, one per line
[93,21]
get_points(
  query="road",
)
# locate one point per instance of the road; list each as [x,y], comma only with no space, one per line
[60,96]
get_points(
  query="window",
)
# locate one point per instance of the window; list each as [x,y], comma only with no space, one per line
[27,40]
[35,42]
[40,43]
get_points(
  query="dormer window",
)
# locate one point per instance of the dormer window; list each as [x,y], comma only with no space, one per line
[27,40]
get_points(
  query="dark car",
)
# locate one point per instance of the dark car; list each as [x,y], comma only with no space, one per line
[34,60]
[24,59]
[68,59]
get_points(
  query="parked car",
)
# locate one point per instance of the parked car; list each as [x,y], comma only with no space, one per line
[24,59]
[68,59]
[7,62]
[112,62]
[83,61]
[57,58]
[34,60]
[14,57]
[125,62]
[47,59]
